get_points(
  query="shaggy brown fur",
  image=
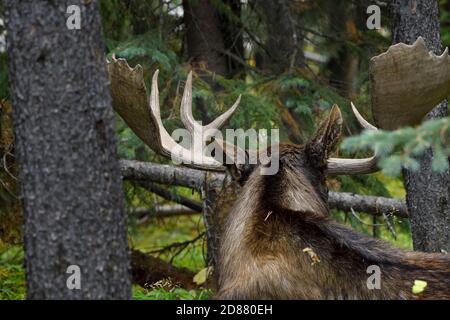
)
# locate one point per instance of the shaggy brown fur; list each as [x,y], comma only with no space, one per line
[276,217]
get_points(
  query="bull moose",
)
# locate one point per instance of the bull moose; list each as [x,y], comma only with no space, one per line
[279,241]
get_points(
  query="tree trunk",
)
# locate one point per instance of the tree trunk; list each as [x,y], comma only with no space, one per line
[210,219]
[344,66]
[283,51]
[232,31]
[206,50]
[204,39]
[205,45]
[63,122]
[427,192]
[284,41]
[140,11]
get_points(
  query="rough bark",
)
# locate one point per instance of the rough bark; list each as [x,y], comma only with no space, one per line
[166,174]
[204,39]
[136,171]
[282,52]
[63,123]
[284,41]
[427,192]
[205,45]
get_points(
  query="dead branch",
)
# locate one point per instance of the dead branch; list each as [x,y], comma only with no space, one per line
[163,211]
[368,204]
[178,246]
[195,179]
[166,194]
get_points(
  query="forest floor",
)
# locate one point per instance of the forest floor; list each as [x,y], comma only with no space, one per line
[152,235]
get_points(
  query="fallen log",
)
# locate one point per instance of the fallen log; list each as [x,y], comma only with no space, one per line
[147,271]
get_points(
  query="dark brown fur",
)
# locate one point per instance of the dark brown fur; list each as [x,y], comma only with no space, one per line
[276,217]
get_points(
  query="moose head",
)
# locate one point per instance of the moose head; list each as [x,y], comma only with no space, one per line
[279,240]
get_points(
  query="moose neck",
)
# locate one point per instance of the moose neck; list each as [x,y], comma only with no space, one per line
[282,244]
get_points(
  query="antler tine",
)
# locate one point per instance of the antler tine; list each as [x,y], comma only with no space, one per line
[224,117]
[168,146]
[186,107]
[337,166]
[166,141]
[363,122]
[186,111]
[154,96]
[195,128]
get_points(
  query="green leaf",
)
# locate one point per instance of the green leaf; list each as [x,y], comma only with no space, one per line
[201,277]
[419,286]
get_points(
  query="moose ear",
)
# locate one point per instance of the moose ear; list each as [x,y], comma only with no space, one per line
[324,140]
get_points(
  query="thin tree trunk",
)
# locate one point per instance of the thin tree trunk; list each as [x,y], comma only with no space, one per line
[284,52]
[284,41]
[344,67]
[427,192]
[232,31]
[63,121]
[206,50]
[204,39]
[140,10]
[212,227]
[205,45]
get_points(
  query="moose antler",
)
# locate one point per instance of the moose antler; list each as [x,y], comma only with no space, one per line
[337,166]
[130,100]
[407,82]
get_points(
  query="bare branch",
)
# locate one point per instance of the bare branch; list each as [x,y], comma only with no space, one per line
[368,204]
[195,179]
[163,211]
[166,194]
[179,246]
[166,174]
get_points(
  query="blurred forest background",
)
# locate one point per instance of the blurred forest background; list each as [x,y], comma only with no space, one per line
[290,61]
